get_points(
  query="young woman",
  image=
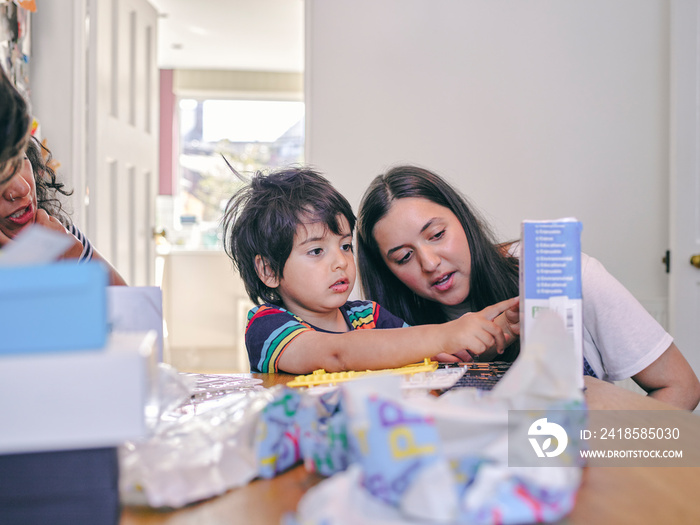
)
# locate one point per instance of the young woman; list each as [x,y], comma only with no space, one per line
[427,256]
[29,190]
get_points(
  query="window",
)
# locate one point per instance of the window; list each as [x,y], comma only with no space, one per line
[252,135]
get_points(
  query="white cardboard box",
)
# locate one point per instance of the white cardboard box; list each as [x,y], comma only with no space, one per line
[72,400]
[136,309]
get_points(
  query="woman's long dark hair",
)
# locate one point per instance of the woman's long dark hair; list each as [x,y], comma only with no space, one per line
[494,274]
[48,187]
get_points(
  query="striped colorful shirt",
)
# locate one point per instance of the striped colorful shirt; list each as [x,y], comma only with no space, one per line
[271,328]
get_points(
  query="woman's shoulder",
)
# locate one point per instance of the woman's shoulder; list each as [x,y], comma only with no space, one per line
[88,250]
[75,230]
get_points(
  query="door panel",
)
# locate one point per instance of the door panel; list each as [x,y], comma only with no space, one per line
[684,285]
[122,147]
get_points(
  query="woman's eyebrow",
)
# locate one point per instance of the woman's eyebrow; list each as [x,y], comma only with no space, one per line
[429,224]
[425,227]
[388,253]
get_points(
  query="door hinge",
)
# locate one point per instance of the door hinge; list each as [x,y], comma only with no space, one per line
[667,261]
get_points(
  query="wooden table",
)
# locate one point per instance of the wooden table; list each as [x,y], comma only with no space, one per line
[616,495]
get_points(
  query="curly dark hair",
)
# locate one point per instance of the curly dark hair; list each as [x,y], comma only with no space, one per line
[15,122]
[262,219]
[48,188]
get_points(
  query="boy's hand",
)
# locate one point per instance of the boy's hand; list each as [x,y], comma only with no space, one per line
[4,239]
[477,335]
[461,356]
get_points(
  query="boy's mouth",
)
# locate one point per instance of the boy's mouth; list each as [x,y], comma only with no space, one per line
[340,286]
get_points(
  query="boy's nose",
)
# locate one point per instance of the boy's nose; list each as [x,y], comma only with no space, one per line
[341,260]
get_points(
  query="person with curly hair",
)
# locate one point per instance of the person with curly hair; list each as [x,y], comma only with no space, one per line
[29,188]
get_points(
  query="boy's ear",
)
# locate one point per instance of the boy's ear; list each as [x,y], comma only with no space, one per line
[265,273]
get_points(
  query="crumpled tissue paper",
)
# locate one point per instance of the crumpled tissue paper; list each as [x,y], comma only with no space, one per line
[446,459]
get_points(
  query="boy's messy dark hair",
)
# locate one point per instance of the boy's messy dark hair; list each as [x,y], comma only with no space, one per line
[262,219]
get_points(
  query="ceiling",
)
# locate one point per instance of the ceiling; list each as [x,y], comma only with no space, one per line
[248,35]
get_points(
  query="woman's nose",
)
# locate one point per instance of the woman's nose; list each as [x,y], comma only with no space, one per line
[16,188]
[429,260]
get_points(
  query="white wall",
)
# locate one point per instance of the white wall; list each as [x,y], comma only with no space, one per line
[535,109]
[204,307]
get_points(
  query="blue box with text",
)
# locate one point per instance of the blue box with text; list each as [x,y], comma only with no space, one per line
[550,276]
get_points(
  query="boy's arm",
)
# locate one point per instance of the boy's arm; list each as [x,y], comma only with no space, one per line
[392,348]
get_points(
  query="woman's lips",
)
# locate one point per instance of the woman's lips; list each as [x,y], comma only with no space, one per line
[22,216]
[444,283]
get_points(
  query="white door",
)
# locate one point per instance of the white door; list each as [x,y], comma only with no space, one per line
[122,139]
[684,285]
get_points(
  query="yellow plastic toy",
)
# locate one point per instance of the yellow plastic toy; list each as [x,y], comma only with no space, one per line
[321,377]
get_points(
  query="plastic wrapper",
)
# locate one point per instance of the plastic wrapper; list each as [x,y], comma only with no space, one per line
[201,441]
[446,459]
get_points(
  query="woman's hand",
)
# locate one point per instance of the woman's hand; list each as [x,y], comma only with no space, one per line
[4,239]
[509,321]
[76,248]
[44,219]
[476,336]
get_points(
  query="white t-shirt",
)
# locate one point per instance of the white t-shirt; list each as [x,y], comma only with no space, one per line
[620,338]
